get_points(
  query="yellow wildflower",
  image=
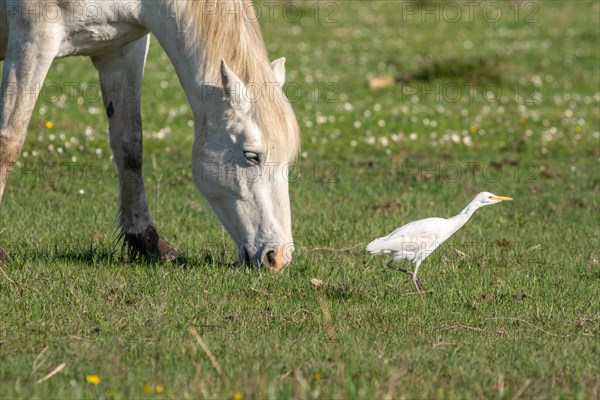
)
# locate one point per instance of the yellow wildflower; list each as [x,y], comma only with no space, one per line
[578,128]
[148,388]
[93,379]
[236,395]
[159,388]
[317,376]
[49,124]
[472,129]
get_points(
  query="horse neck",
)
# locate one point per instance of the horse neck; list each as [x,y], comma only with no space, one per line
[203,91]
[197,55]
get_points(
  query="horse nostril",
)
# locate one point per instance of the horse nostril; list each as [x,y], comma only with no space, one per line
[269,258]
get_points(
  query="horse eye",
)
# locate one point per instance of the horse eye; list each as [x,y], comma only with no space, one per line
[252,157]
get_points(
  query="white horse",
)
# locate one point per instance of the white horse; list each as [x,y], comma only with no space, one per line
[245,130]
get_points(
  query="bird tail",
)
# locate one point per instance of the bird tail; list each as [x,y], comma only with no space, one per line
[376,247]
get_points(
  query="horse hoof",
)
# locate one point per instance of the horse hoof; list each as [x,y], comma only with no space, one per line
[150,245]
[167,253]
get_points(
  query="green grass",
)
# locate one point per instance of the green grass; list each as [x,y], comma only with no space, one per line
[515,308]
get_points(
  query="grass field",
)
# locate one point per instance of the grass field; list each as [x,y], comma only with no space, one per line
[505,101]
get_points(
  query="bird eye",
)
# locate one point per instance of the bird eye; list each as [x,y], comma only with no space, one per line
[252,157]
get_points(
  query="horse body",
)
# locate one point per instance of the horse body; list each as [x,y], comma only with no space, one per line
[83,28]
[242,143]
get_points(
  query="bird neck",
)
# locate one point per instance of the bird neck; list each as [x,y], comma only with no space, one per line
[467,212]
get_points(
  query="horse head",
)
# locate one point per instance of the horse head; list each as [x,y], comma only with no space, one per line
[243,172]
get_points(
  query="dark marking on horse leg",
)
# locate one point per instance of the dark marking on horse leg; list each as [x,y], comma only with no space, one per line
[132,148]
[110,110]
[150,245]
[132,159]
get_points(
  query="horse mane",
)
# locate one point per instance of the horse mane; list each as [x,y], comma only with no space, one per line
[230,30]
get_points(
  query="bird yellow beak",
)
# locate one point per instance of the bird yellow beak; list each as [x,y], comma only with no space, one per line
[500,198]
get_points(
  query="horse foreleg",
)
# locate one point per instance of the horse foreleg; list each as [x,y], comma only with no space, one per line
[121,81]
[26,63]
[29,54]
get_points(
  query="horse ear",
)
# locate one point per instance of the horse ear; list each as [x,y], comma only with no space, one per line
[279,69]
[234,89]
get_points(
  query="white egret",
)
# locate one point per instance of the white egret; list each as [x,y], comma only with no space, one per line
[416,240]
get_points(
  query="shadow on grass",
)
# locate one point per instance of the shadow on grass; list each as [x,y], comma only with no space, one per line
[86,254]
[100,254]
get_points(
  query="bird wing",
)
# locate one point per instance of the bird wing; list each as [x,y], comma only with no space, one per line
[422,235]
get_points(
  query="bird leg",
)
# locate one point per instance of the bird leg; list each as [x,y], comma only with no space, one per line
[390,264]
[414,279]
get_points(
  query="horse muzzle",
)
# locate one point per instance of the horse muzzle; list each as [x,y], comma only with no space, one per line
[276,258]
